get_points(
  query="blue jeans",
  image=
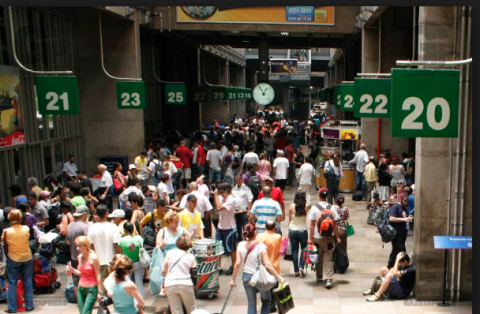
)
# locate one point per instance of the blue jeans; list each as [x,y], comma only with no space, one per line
[361,184]
[296,238]
[251,293]
[25,271]
[215,175]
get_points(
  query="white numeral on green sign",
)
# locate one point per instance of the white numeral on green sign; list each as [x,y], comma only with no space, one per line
[175,97]
[368,99]
[127,102]
[52,105]
[409,121]
[199,96]
[339,100]
[218,95]
[349,101]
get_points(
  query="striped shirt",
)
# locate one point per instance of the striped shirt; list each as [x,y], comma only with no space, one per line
[264,209]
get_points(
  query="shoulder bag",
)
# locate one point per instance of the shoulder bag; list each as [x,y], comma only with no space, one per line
[145,258]
[262,279]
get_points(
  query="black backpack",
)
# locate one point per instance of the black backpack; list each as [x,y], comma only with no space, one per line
[357,195]
[236,162]
[149,232]
[340,258]
[387,232]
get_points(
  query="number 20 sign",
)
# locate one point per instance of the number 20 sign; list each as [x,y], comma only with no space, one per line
[57,94]
[131,95]
[424,103]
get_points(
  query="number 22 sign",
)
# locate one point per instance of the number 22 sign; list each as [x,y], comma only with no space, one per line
[425,103]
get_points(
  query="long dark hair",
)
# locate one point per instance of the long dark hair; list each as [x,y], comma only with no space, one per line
[300,201]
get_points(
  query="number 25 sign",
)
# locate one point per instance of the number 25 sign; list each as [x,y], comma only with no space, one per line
[424,103]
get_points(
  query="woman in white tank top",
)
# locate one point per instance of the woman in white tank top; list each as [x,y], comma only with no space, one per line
[297,229]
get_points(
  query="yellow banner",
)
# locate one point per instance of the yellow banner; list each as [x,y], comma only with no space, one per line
[301,15]
[349,135]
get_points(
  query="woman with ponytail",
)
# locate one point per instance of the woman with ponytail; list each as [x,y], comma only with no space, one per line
[123,291]
[90,284]
[254,250]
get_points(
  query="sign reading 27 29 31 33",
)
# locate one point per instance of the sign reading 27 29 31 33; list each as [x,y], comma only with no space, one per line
[425,103]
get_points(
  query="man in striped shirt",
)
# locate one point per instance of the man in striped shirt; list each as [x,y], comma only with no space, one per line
[264,209]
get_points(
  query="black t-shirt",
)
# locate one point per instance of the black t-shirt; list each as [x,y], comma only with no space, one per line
[407,280]
[87,184]
[384,178]
[398,211]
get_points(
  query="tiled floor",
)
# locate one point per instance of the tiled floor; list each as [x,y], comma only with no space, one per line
[366,257]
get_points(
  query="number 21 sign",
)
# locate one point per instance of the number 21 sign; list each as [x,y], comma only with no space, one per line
[425,103]
[57,95]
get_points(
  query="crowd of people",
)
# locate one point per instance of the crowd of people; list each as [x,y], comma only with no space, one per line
[223,183]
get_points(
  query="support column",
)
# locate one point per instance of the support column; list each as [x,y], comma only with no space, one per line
[263,61]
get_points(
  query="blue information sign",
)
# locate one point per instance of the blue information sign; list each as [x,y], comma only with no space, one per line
[453,242]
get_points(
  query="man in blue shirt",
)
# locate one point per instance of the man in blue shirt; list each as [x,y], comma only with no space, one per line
[399,217]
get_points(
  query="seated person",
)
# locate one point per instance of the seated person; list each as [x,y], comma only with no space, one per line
[398,282]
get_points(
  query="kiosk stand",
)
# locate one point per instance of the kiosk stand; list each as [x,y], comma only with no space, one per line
[450,242]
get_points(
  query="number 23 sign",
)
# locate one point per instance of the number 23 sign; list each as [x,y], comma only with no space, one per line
[425,103]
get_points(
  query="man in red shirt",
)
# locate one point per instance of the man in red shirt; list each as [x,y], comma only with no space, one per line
[185,155]
[201,159]
[290,151]
[276,196]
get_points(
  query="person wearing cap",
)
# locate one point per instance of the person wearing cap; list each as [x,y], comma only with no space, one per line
[370,177]
[104,237]
[281,168]
[132,173]
[191,219]
[326,244]
[154,168]
[360,160]
[204,206]
[118,218]
[398,215]
[75,229]
[343,214]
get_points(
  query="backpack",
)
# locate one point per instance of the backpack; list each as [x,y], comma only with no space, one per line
[149,233]
[236,162]
[326,221]
[340,258]
[328,172]
[387,232]
[357,195]
[158,170]
[255,186]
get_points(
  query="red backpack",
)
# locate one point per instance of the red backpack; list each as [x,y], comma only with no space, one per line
[326,221]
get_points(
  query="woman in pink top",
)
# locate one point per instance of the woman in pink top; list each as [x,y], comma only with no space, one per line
[90,284]
[264,167]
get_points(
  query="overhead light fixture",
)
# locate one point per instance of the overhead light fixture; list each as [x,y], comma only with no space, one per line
[284,33]
[234,32]
[245,41]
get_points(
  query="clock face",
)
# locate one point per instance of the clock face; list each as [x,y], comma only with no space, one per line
[263,93]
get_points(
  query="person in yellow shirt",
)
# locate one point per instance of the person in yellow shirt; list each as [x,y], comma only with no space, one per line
[370,177]
[191,219]
[158,216]
[141,161]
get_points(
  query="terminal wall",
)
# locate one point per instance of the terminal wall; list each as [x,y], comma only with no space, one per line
[107,130]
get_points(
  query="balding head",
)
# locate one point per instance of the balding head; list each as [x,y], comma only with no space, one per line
[193,186]
[267,191]
[270,225]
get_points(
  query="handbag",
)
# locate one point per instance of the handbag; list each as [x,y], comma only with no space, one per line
[349,228]
[117,185]
[283,247]
[262,279]
[289,247]
[145,258]
[155,274]
[283,298]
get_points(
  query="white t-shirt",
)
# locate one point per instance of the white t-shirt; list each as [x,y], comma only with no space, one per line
[227,217]
[281,163]
[250,158]
[250,266]
[203,189]
[106,179]
[194,153]
[102,235]
[214,157]
[306,172]
[162,188]
[223,151]
[313,215]
[152,164]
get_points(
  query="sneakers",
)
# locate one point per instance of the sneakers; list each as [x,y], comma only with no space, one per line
[328,284]
[368,292]
[319,279]
[220,271]
[229,271]
[374,298]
